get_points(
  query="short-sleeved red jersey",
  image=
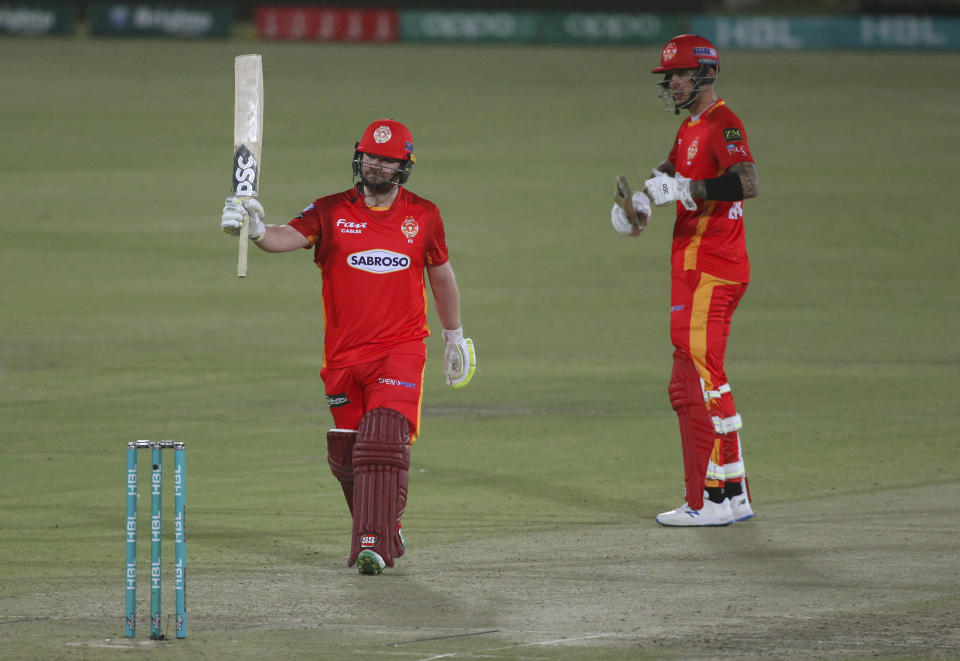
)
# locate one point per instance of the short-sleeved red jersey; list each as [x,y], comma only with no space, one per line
[372,263]
[711,238]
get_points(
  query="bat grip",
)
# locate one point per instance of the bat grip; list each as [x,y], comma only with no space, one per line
[242,249]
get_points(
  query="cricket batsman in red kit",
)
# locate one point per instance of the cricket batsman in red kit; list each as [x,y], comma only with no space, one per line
[708,174]
[373,243]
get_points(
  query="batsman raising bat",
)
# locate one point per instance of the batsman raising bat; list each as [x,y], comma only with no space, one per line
[373,243]
[707,176]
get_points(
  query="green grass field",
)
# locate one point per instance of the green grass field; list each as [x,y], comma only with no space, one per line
[530,520]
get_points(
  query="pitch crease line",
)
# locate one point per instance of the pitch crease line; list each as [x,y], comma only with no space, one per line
[457,635]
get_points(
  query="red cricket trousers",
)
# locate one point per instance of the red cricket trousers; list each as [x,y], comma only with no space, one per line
[701,311]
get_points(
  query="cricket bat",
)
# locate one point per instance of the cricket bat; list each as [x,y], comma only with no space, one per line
[623,197]
[247,138]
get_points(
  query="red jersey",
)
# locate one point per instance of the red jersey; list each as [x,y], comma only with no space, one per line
[372,262]
[711,239]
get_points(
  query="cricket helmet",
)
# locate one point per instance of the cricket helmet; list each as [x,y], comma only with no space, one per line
[687,51]
[390,139]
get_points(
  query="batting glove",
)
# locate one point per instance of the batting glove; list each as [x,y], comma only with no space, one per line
[621,223]
[459,359]
[664,189]
[236,213]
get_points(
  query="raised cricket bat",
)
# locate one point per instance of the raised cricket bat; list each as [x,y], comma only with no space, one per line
[247,138]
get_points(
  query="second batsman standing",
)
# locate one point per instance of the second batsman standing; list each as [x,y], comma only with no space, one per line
[373,243]
[707,175]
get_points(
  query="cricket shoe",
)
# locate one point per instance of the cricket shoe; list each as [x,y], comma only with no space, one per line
[711,514]
[370,563]
[740,506]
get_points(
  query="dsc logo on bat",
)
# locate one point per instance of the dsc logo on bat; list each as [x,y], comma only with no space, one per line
[245,168]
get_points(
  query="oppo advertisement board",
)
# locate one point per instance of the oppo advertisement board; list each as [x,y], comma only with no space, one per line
[817,32]
[539,27]
[606,28]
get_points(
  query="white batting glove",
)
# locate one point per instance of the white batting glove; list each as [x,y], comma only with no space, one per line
[665,189]
[459,359]
[621,223]
[236,213]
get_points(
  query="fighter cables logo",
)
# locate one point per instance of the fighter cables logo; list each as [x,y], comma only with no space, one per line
[350,227]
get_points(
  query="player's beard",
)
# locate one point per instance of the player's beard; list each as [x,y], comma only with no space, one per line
[381,182]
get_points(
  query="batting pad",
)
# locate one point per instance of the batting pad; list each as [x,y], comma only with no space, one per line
[697,435]
[381,463]
[340,444]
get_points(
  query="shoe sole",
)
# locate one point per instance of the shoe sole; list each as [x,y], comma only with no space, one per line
[699,525]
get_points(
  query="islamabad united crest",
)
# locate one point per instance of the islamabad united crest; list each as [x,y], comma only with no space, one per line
[692,149]
[409,227]
[382,134]
[669,52]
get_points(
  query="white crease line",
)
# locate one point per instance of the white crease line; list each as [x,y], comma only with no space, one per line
[451,655]
[567,640]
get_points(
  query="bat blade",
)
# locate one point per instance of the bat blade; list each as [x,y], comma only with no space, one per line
[623,197]
[247,138]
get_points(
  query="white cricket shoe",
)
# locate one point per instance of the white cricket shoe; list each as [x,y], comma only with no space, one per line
[740,506]
[711,514]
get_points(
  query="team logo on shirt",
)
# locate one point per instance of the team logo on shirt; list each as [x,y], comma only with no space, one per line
[382,134]
[692,149]
[731,135]
[409,227]
[378,261]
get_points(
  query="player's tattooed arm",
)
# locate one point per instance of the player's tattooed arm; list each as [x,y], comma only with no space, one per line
[667,167]
[749,182]
[749,178]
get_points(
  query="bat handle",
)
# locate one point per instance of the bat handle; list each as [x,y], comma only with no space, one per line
[242,248]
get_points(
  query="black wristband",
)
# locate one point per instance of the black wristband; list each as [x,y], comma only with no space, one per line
[726,187]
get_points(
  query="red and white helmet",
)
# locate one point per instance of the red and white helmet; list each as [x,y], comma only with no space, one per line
[390,139]
[688,51]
